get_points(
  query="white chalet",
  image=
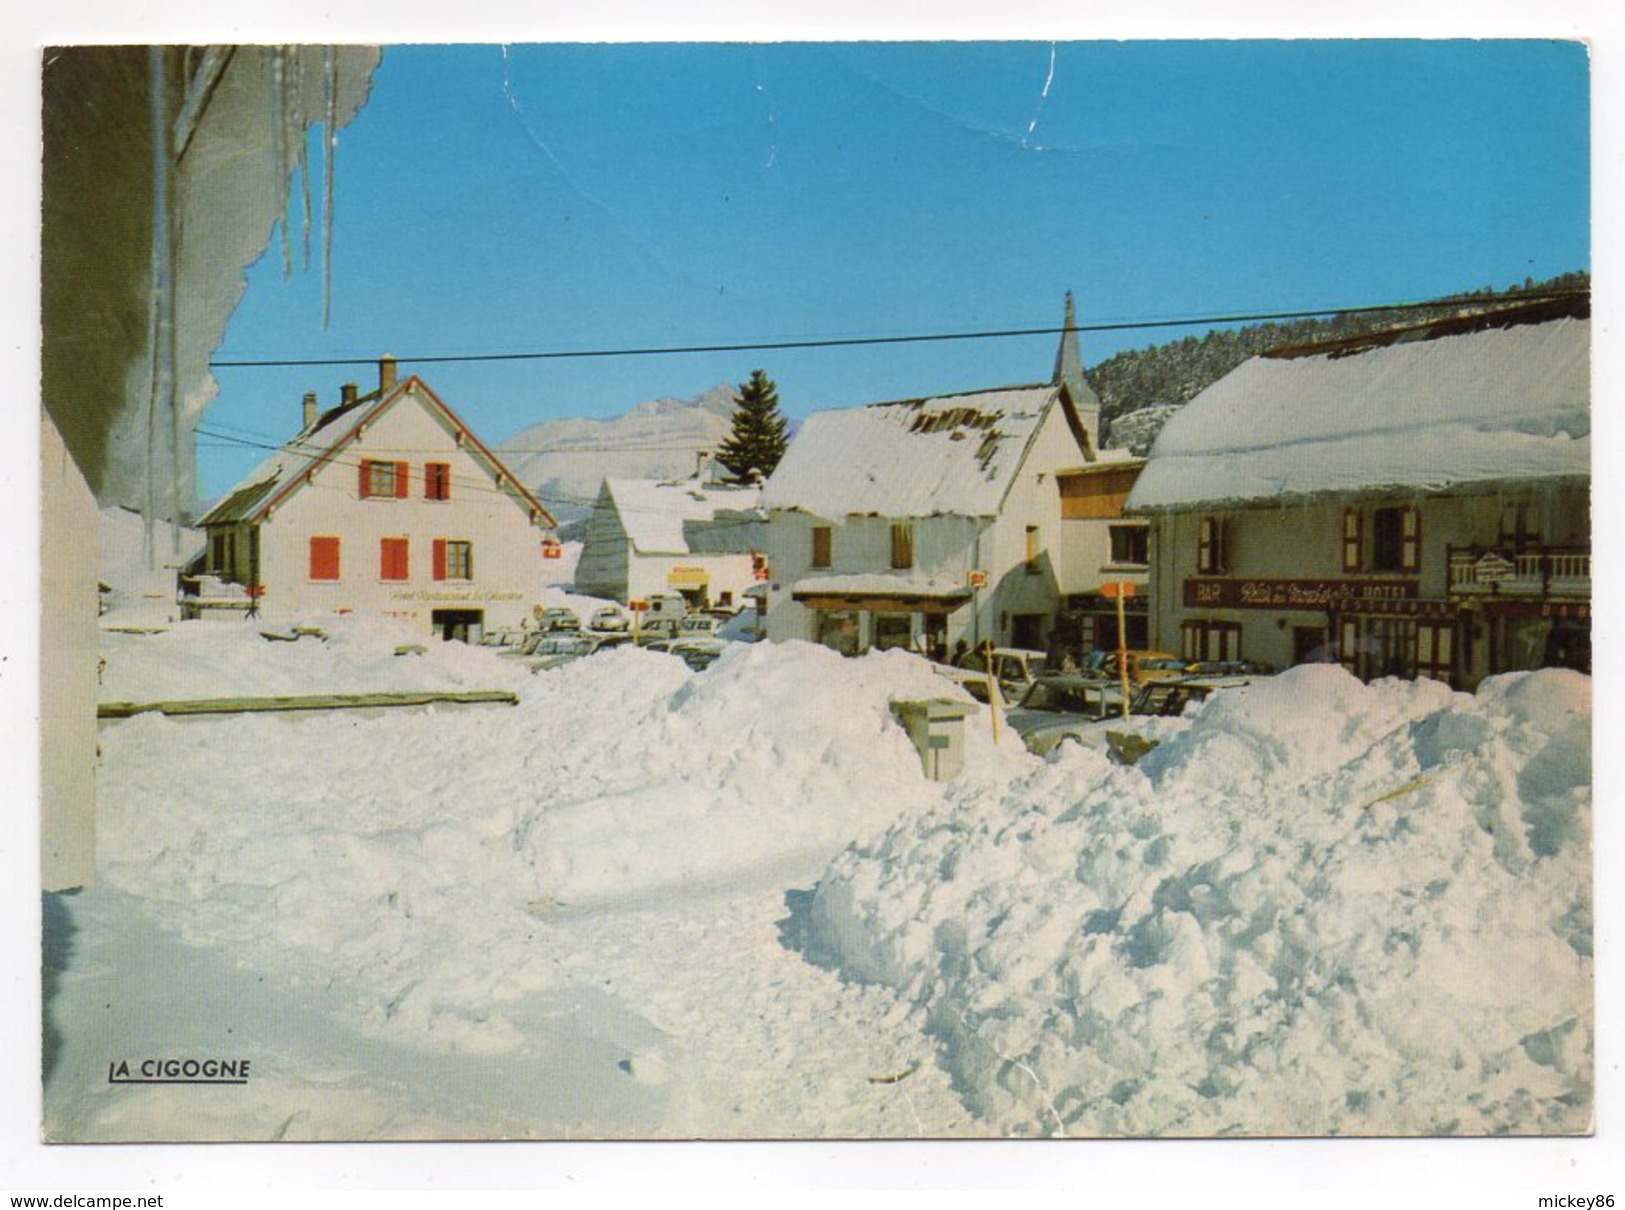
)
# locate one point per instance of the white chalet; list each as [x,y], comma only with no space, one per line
[924,522]
[385,504]
[1412,503]
[688,536]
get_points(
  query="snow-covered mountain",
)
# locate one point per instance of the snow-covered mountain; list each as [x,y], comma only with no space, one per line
[564,461]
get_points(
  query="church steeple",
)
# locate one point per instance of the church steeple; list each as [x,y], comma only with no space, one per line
[1068,363]
[1078,399]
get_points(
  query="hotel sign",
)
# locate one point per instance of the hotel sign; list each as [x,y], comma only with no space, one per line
[1203,592]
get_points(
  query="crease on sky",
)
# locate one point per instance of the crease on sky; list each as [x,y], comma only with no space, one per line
[1022,142]
[575,187]
[1043,96]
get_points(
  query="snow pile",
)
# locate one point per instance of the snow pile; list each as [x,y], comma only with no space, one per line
[138,595]
[422,864]
[1324,907]
[220,658]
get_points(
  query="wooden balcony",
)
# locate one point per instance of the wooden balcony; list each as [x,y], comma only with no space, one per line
[1527,573]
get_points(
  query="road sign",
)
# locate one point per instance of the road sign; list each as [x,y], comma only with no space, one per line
[638,606]
[1119,589]
[977,579]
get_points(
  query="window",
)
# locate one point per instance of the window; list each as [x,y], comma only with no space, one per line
[437,481]
[223,554]
[1395,542]
[324,558]
[821,545]
[892,630]
[383,480]
[1212,557]
[392,559]
[902,544]
[1433,649]
[838,629]
[1353,540]
[1131,544]
[1201,639]
[1035,548]
[453,559]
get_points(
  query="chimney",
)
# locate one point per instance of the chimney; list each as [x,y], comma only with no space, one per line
[347,393]
[310,409]
[388,375]
[702,465]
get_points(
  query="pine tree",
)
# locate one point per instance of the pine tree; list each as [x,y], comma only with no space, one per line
[757,440]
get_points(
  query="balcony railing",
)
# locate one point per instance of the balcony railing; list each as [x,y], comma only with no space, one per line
[1530,571]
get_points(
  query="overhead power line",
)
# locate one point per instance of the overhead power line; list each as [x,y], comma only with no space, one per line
[916,338]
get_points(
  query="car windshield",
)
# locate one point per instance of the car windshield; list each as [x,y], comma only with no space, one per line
[1065,697]
[1168,701]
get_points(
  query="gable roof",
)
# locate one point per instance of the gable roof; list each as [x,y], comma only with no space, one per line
[656,513]
[328,439]
[956,454]
[1500,398]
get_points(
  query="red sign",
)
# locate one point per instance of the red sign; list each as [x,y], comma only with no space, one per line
[1120,588]
[638,606]
[1334,595]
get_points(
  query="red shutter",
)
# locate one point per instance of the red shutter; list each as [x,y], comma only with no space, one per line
[440,558]
[1353,556]
[400,481]
[1410,540]
[366,478]
[392,559]
[324,558]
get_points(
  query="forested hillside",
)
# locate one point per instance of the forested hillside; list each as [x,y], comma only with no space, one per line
[1173,373]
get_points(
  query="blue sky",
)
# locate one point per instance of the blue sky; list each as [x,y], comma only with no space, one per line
[569,197]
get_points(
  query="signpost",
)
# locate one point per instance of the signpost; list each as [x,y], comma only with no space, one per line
[638,608]
[1120,590]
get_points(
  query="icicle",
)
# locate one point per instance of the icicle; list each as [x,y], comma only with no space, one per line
[279,152]
[160,322]
[302,159]
[330,97]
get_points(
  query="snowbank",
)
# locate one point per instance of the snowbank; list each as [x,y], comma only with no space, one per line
[425,863]
[138,594]
[232,658]
[1324,907]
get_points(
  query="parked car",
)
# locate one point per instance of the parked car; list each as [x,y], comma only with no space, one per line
[666,605]
[558,618]
[698,624]
[549,649]
[652,630]
[503,637]
[1063,708]
[698,653]
[610,620]
[1014,668]
[1144,666]
[1054,707]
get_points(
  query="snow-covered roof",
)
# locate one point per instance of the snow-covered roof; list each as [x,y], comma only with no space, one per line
[955,454]
[1437,409]
[880,584]
[325,440]
[654,512]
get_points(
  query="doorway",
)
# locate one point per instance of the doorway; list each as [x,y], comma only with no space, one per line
[458,625]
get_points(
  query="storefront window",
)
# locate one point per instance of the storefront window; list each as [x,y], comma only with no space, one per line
[838,629]
[892,630]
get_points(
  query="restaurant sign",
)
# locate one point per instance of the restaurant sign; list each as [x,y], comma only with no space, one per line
[1202,592]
